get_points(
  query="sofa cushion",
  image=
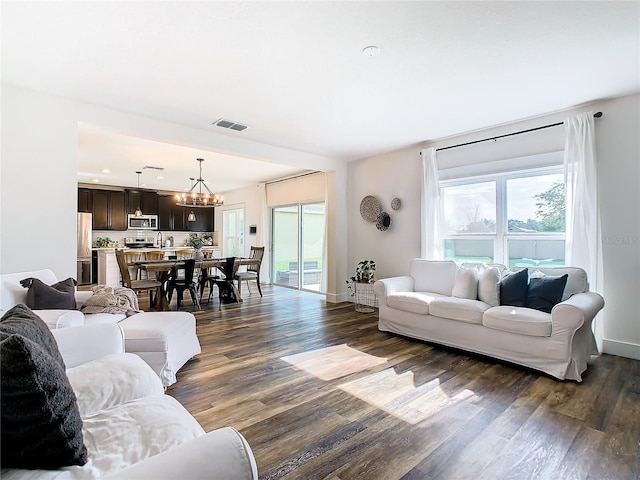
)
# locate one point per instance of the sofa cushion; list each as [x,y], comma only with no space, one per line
[131,432]
[12,293]
[461,309]
[545,292]
[60,318]
[433,275]
[576,282]
[466,283]
[112,380]
[513,288]
[489,286]
[60,295]
[525,321]
[414,302]
[41,425]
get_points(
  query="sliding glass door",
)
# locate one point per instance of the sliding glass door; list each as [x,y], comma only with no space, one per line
[298,240]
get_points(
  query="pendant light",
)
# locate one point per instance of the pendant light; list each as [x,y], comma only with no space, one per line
[138,212]
[195,198]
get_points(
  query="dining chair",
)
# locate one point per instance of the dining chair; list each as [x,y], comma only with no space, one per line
[150,255]
[208,277]
[147,285]
[226,293]
[186,283]
[154,255]
[131,258]
[185,254]
[253,271]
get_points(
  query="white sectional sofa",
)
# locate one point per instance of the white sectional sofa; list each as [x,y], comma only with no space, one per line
[131,429]
[165,340]
[422,305]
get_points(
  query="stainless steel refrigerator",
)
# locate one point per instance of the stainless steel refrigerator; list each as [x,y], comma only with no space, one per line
[84,248]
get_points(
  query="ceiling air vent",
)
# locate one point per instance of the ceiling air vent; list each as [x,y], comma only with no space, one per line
[231,125]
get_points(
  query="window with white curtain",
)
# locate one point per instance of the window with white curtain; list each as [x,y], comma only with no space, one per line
[513,218]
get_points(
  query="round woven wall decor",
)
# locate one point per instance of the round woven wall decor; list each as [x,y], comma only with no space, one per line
[383,222]
[370,208]
[396,204]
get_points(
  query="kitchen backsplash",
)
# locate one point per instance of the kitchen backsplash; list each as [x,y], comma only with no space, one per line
[179,238]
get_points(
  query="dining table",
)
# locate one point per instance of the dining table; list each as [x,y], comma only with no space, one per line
[162,269]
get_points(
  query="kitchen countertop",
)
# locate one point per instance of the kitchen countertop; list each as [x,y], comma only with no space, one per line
[164,249]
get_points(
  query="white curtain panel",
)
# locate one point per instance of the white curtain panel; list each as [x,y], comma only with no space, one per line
[583,235]
[431,237]
[265,273]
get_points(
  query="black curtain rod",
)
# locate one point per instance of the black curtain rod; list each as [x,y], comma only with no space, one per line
[596,115]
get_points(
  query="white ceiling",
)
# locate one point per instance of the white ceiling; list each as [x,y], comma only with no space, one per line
[294,71]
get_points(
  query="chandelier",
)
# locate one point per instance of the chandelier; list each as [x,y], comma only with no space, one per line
[195,197]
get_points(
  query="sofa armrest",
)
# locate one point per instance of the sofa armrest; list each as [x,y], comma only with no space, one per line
[222,454]
[579,309]
[82,344]
[386,286]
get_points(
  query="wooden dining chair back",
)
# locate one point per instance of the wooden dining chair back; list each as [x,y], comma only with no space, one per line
[253,271]
[154,255]
[132,257]
[148,286]
[186,283]
[185,254]
[150,255]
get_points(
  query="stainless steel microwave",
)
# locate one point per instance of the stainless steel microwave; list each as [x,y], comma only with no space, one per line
[145,222]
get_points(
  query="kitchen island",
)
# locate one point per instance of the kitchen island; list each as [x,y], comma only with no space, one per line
[109,272]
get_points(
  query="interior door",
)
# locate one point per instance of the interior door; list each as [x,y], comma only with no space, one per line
[233,232]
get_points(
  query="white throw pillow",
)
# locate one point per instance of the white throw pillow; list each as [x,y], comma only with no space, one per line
[489,286]
[466,284]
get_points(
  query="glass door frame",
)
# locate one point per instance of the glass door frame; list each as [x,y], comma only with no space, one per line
[300,246]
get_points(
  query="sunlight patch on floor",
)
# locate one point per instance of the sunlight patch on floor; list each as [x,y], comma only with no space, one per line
[333,362]
[397,394]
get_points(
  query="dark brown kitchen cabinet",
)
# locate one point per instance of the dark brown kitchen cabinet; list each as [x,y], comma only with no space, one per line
[174,218]
[171,217]
[84,200]
[204,220]
[109,210]
[147,201]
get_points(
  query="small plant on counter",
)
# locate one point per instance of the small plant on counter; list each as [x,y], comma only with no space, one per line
[104,242]
[195,241]
[365,273]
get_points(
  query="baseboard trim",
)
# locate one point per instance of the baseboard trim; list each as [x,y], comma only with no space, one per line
[621,349]
[336,297]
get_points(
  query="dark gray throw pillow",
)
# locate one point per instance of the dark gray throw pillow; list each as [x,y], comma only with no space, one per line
[21,320]
[41,296]
[513,289]
[41,424]
[546,292]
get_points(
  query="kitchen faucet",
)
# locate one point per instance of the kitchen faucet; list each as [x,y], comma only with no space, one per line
[159,239]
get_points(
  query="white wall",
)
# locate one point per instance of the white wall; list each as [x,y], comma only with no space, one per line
[618,146]
[38,189]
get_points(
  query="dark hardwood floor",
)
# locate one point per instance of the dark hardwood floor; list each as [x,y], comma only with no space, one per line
[320,393]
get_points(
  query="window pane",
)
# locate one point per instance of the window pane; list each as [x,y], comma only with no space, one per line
[470,208]
[469,250]
[536,204]
[535,252]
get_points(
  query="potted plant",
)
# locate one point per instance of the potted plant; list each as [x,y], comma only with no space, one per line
[365,273]
[197,242]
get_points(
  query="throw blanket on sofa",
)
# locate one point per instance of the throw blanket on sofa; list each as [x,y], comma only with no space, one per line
[107,299]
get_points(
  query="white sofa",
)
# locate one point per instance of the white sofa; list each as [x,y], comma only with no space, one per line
[131,429]
[421,305]
[165,340]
